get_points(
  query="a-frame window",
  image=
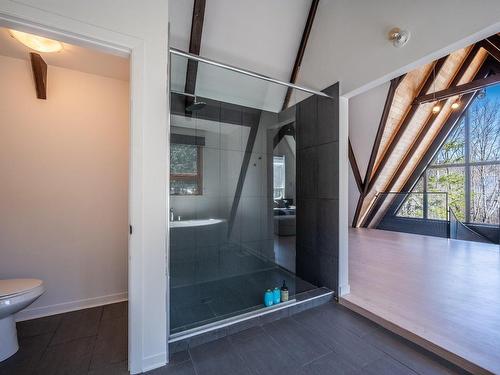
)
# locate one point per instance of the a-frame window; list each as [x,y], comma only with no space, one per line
[467,167]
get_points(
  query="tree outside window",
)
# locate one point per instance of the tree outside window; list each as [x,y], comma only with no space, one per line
[467,167]
[185,169]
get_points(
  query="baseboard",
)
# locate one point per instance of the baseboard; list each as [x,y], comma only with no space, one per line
[154,361]
[59,308]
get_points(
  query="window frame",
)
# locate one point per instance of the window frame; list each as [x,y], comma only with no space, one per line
[196,177]
[468,164]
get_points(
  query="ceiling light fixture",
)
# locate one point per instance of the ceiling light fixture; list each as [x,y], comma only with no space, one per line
[399,37]
[35,42]
[455,104]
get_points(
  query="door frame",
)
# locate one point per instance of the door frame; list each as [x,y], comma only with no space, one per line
[141,255]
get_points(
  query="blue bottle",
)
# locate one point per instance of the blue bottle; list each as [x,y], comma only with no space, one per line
[276,295]
[268,298]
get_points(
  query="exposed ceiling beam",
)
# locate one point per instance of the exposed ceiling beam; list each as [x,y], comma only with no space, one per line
[451,121]
[493,47]
[459,90]
[194,46]
[443,134]
[39,74]
[406,121]
[355,169]
[376,144]
[300,52]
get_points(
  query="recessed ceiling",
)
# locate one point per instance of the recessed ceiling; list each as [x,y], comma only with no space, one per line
[71,57]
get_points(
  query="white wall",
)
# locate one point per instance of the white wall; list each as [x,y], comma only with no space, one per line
[139,28]
[348,41]
[64,190]
[365,112]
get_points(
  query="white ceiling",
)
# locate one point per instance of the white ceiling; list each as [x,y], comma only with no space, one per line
[258,35]
[71,57]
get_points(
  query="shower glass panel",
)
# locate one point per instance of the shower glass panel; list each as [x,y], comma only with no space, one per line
[232,193]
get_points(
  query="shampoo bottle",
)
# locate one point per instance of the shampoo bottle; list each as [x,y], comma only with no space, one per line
[268,298]
[284,292]
[276,295]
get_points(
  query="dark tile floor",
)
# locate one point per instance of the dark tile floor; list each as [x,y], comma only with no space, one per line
[322,341]
[91,341]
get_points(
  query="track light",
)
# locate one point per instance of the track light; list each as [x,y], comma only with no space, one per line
[436,108]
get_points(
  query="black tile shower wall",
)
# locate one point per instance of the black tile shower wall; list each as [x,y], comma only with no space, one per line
[317,189]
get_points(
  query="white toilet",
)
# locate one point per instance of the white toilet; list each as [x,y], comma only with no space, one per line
[15,295]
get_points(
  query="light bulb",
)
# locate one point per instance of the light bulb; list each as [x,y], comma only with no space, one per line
[436,108]
[455,105]
[37,43]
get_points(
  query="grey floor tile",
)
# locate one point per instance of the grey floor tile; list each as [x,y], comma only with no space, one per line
[111,346]
[78,324]
[297,340]
[39,326]
[179,357]
[411,355]
[247,334]
[217,358]
[386,366]
[115,311]
[26,359]
[116,369]
[350,346]
[331,364]
[185,368]
[69,358]
[264,356]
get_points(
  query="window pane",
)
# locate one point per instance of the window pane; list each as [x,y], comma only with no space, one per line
[183,187]
[183,158]
[413,206]
[453,150]
[436,206]
[484,117]
[452,181]
[279,176]
[485,193]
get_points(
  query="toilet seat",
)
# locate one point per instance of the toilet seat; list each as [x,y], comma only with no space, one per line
[13,287]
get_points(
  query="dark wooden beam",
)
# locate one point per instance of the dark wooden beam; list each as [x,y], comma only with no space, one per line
[355,168]
[300,52]
[492,47]
[39,74]
[402,128]
[284,130]
[241,178]
[376,144]
[459,90]
[194,46]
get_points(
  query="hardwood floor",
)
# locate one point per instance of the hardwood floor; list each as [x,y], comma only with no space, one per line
[444,294]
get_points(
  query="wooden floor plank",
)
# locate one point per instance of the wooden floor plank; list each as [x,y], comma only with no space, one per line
[443,293]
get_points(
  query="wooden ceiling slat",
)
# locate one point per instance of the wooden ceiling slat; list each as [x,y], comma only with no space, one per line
[425,87]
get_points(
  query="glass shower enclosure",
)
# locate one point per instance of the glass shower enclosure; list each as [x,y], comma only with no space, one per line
[232,191]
